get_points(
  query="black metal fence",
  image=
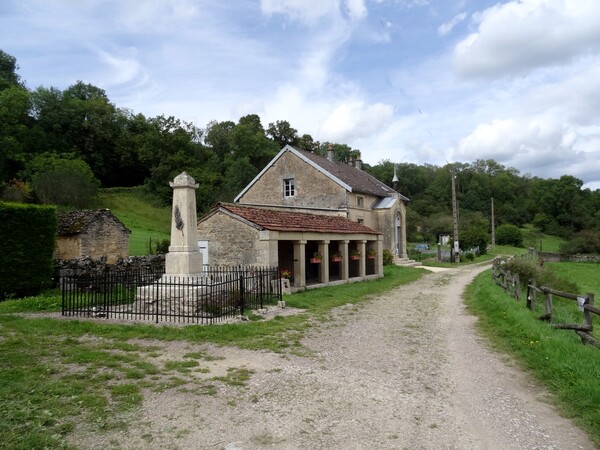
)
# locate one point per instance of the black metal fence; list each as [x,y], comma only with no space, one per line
[220,293]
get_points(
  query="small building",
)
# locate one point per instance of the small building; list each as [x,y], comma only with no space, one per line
[315,248]
[92,233]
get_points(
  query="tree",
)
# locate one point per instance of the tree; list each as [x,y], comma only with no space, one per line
[282,133]
[509,234]
[8,71]
[62,180]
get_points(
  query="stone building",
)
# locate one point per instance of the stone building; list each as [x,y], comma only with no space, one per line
[301,204]
[92,233]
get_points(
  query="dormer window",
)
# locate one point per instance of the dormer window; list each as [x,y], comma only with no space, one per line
[289,187]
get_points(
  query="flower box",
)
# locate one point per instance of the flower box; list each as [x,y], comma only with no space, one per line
[355,257]
[336,259]
[315,260]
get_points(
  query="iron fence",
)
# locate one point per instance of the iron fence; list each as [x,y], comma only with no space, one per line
[220,293]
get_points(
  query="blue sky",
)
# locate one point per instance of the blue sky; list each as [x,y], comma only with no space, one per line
[417,81]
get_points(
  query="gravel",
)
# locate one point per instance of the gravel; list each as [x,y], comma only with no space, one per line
[406,370]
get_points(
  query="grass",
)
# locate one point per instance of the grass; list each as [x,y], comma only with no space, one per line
[540,241]
[568,369]
[57,375]
[145,220]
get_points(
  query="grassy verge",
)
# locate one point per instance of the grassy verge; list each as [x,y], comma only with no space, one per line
[145,220]
[57,376]
[569,370]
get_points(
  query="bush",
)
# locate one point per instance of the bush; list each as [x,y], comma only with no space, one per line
[469,256]
[388,258]
[28,234]
[584,242]
[509,234]
[474,236]
[531,270]
[62,180]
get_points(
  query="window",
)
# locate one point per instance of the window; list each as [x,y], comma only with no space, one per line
[289,187]
[360,221]
[360,201]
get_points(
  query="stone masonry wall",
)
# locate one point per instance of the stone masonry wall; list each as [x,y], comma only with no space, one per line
[230,242]
[313,189]
[104,239]
[557,257]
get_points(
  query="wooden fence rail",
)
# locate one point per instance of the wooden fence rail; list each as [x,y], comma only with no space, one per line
[585,302]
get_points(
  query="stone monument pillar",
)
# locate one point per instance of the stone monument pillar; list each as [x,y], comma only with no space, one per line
[184,258]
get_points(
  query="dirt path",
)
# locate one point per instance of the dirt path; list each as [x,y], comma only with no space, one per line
[406,370]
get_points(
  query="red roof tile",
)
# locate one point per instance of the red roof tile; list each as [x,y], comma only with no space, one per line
[295,221]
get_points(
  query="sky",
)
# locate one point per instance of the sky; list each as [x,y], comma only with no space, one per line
[410,81]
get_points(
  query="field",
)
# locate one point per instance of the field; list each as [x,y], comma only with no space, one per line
[557,358]
[57,376]
[147,222]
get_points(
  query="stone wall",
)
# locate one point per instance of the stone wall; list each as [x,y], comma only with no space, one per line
[231,242]
[67,247]
[557,257]
[313,189]
[105,239]
[85,265]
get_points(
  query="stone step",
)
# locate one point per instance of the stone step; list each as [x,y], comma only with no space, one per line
[407,262]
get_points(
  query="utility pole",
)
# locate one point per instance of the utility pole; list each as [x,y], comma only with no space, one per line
[493,226]
[455,219]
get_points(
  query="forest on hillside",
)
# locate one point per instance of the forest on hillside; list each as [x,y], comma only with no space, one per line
[61,146]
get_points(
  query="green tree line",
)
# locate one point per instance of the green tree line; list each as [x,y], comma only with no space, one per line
[60,146]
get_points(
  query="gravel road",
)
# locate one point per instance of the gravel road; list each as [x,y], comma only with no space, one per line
[406,370]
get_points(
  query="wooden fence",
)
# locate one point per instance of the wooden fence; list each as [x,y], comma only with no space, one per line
[585,302]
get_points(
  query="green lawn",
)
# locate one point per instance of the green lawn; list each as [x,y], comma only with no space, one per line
[146,221]
[56,375]
[540,241]
[568,369]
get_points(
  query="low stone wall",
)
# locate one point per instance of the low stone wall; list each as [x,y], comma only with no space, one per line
[86,265]
[558,257]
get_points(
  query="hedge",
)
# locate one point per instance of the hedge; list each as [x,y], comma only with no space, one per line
[28,235]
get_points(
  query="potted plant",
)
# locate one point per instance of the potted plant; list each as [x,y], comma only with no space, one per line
[371,253]
[316,259]
[355,254]
[336,257]
[285,273]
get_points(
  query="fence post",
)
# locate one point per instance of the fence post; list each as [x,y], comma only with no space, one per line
[241,292]
[587,315]
[548,305]
[531,293]
[517,286]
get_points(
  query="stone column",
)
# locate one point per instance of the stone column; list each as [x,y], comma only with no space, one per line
[184,257]
[379,260]
[299,263]
[362,267]
[324,266]
[345,271]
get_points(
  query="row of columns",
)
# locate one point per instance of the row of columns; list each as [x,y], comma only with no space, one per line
[323,249]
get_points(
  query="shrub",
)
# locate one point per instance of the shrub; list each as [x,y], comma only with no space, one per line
[469,256]
[584,242]
[28,234]
[474,236]
[509,234]
[388,258]
[531,270]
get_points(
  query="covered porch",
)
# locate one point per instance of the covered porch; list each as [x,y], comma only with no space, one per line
[317,259]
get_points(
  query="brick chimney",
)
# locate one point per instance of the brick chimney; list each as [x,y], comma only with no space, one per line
[330,153]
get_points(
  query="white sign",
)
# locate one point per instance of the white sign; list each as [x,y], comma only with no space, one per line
[580,303]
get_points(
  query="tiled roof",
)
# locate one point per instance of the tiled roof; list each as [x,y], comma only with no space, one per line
[74,222]
[295,221]
[359,180]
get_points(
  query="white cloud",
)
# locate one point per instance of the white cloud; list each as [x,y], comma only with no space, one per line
[351,120]
[156,15]
[521,35]
[309,12]
[447,27]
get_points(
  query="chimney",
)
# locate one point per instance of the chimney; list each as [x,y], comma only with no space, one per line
[330,153]
[358,162]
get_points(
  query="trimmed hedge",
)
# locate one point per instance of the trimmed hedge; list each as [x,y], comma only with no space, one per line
[28,235]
